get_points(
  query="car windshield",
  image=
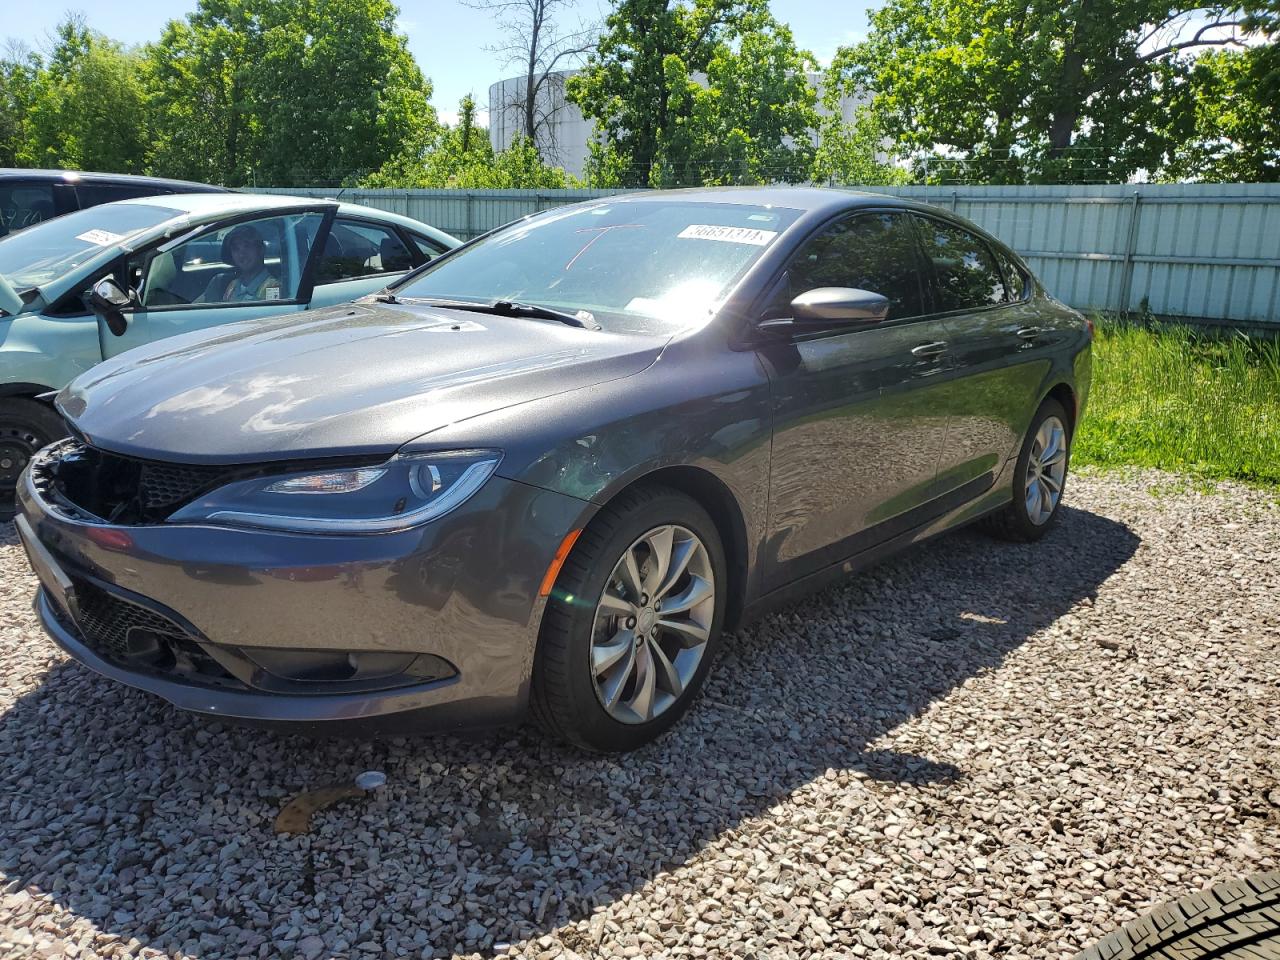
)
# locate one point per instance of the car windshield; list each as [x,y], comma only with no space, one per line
[649,266]
[43,253]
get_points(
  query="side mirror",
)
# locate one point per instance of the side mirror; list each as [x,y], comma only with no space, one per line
[109,302]
[826,307]
[839,305]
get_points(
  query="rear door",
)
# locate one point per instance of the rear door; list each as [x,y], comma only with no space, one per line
[999,351]
[193,282]
[859,418]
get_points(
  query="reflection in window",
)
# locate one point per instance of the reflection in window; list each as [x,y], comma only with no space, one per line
[874,252]
[965,275]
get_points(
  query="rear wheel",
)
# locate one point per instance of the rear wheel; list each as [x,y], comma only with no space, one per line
[632,624]
[25,427]
[1040,477]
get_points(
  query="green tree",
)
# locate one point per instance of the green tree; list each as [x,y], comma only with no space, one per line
[658,125]
[286,92]
[19,69]
[848,152]
[85,104]
[1228,126]
[1030,89]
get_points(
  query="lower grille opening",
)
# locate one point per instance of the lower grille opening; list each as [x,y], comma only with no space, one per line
[134,636]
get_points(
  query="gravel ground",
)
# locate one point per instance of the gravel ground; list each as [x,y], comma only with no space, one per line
[974,750]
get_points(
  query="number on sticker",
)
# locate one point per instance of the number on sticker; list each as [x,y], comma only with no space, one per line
[708,231]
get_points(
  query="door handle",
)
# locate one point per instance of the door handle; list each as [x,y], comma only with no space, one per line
[1030,333]
[930,349]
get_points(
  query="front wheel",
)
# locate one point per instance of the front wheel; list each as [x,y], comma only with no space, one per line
[633,623]
[25,427]
[1039,477]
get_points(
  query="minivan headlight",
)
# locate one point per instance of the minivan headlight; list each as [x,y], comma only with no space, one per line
[406,491]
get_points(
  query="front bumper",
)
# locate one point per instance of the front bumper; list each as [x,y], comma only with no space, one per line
[457,597]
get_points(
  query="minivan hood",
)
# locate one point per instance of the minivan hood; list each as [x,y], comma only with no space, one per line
[361,378]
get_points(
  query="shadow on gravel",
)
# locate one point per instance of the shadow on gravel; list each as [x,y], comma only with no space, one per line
[157,825]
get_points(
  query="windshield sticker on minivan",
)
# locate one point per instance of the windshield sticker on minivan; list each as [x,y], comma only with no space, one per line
[708,231]
[103,238]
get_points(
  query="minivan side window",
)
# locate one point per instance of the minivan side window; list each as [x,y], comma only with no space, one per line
[24,204]
[965,274]
[869,251]
[92,194]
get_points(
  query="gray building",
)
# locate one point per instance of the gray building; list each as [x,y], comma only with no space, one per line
[564,134]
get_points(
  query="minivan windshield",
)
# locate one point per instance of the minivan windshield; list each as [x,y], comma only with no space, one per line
[647,266]
[45,252]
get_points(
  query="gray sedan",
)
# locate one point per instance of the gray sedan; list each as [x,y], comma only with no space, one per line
[545,472]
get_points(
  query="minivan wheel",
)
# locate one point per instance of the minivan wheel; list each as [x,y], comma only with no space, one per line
[25,427]
[1039,478]
[633,622]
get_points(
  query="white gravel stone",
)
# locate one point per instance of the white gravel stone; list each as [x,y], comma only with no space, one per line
[974,750]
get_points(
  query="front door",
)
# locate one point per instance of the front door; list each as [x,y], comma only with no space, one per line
[242,271]
[858,417]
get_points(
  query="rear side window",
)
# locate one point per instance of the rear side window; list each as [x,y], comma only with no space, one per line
[965,274]
[24,204]
[356,249]
[429,249]
[1015,278]
[873,251]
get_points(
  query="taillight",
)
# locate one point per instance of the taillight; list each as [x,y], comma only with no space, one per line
[1088,322]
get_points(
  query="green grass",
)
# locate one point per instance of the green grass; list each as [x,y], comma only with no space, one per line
[1172,397]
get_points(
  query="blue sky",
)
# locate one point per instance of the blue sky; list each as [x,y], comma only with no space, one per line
[447,38]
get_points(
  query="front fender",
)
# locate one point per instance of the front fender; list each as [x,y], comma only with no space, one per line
[46,352]
[694,408]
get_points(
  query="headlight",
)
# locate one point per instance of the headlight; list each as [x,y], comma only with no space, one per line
[405,491]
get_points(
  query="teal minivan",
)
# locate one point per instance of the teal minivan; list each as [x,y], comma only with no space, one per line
[89,285]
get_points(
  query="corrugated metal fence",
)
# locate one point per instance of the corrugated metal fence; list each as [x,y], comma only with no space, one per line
[1201,251]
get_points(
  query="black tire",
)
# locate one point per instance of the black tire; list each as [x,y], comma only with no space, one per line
[563,699]
[1013,522]
[25,427]
[1233,921]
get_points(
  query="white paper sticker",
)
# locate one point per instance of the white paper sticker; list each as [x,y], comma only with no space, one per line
[103,238]
[273,293]
[707,231]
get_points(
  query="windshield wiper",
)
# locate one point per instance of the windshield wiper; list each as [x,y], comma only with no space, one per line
[514,308]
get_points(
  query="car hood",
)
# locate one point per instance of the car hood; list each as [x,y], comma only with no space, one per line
[357,379]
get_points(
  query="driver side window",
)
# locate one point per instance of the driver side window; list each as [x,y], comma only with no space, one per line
[254,261]
[869,251]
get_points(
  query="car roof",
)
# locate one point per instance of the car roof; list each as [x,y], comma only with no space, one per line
[808,199]
[816,203]
[87,176]
[207,206]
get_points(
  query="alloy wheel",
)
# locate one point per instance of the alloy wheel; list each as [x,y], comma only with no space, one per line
[652,624]
[1046,470]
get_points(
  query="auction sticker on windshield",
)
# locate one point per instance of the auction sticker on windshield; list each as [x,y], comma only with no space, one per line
[103,238]
[707,231]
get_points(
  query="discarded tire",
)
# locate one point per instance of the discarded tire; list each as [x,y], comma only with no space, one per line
[1233,921]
